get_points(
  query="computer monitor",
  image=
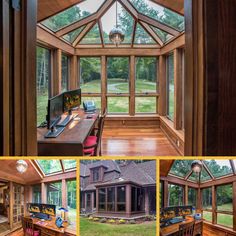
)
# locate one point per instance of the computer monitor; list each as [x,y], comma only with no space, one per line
[48,209]
[34,208]
[55,110]
[72,99]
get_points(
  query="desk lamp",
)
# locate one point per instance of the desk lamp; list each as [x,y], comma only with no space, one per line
[64,214]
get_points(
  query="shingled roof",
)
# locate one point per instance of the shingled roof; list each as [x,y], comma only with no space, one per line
[142,174]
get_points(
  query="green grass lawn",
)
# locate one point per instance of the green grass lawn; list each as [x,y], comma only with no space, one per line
[88,228]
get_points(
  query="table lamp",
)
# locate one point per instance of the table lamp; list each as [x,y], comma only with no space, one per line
[64,213]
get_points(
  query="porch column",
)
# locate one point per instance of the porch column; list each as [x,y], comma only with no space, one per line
[146,201]
[128,200]
[85,201]
[97,200]
[92,200]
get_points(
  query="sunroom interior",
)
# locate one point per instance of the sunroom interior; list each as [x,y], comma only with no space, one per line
[210,192]
[138,81]
[48,182]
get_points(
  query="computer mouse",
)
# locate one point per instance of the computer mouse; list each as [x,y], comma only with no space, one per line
[89,117]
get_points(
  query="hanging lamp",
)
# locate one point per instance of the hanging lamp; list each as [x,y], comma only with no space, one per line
[21,166]
[196,166]
[116,35]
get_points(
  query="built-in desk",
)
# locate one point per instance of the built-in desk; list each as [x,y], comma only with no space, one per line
[70,141]
[48,228]
[173,230]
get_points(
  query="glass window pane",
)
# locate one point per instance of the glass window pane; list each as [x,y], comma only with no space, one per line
[176,194]
[225,220]
[145,105]
[162,34]
[43,81]
[92,37]
[181,167]
[36,189]
[118,75]
[54,195]
[50,166]
[219,168]
[204,175]
[111,199]
[192,197]
[160,13]
[90,74]
[69,164]
[118,104]
[146,75]
[194,177]
[224,197]
[64,73]
[206,198]
[142,37]
[121,198]
[97,101]
[70,37]
[207,216]
[102,199]
[125,23]
[72,14]
[170,86]
[71,202]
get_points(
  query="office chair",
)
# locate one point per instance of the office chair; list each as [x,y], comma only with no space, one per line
[92,145]
[28,227]
[186,229]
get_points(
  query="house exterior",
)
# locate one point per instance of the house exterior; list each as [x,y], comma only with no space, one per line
[109,189]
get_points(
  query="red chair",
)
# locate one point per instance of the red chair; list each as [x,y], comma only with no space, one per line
[92,145]
[28,227]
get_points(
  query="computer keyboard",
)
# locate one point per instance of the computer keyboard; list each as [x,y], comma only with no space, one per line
[55,132]
[64,122]
[176,220]
[41,216]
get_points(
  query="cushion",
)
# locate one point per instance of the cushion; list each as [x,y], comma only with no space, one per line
[89,151]
[91,140]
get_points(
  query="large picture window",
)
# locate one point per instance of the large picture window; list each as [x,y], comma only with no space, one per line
[146,85]
[111,199]
[207,203]
[65,73]
[54,195]
[43,82]
[71,202]
[118,84]
[176,195]
[121,203]
[192,197]
[102,199]
[137,196]
[170,86]
[36,189]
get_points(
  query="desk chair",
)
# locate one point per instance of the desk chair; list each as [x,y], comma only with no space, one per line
[92,145]
[186,229]
[28,227]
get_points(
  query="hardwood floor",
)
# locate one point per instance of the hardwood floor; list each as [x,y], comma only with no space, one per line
[136,142]
[4,227]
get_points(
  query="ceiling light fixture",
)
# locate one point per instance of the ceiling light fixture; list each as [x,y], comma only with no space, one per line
[196,166]
[116,35]
[21,166]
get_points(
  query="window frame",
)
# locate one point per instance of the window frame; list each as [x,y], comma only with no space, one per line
[68,72]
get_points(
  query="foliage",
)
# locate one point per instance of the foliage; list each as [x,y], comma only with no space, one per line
[175,193]
[149,218]
[122,221]
[132,222]
[95,219]
[90,218]
[103,220]
[111,221]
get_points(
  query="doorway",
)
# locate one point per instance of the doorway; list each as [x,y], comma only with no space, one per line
[4,207]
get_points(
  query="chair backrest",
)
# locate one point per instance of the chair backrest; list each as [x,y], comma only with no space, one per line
[28,226]
[99,134]
[186,229]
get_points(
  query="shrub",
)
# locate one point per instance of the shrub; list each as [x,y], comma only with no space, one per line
[149,218]
[122,221]
[103,220]
[132,222]
[111,221]
[90,218]
[95,219]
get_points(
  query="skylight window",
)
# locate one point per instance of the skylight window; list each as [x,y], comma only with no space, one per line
[125,22]
[142,37]
[70,37]
[162,34]
[204,175]
[219,168]
[72,14]
[69,164]
[50,166]
[181,168]
[159,13]
[92,37]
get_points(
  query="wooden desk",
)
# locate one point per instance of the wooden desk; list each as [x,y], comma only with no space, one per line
[174,229]
[70,141]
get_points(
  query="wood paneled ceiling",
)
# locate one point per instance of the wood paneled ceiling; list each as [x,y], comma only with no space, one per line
[8,172]
[48,8]
[165,166]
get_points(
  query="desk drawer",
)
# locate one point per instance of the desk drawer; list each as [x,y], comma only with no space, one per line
[48,232]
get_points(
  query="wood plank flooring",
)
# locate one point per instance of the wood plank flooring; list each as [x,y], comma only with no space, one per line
[136,142]
[4,227]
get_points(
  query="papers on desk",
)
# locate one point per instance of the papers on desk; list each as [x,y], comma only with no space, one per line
[44,223]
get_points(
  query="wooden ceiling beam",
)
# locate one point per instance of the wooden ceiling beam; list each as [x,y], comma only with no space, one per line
[88,27]
[130,8]
[173,5]
[101,32]
[150,31]
[158,24]
[133,34]
[85,21]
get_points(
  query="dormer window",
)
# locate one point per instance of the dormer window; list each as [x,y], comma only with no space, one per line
[95,175]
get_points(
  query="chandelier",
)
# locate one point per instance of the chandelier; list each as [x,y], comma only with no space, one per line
[21,166]
[116,35]
[196,166]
